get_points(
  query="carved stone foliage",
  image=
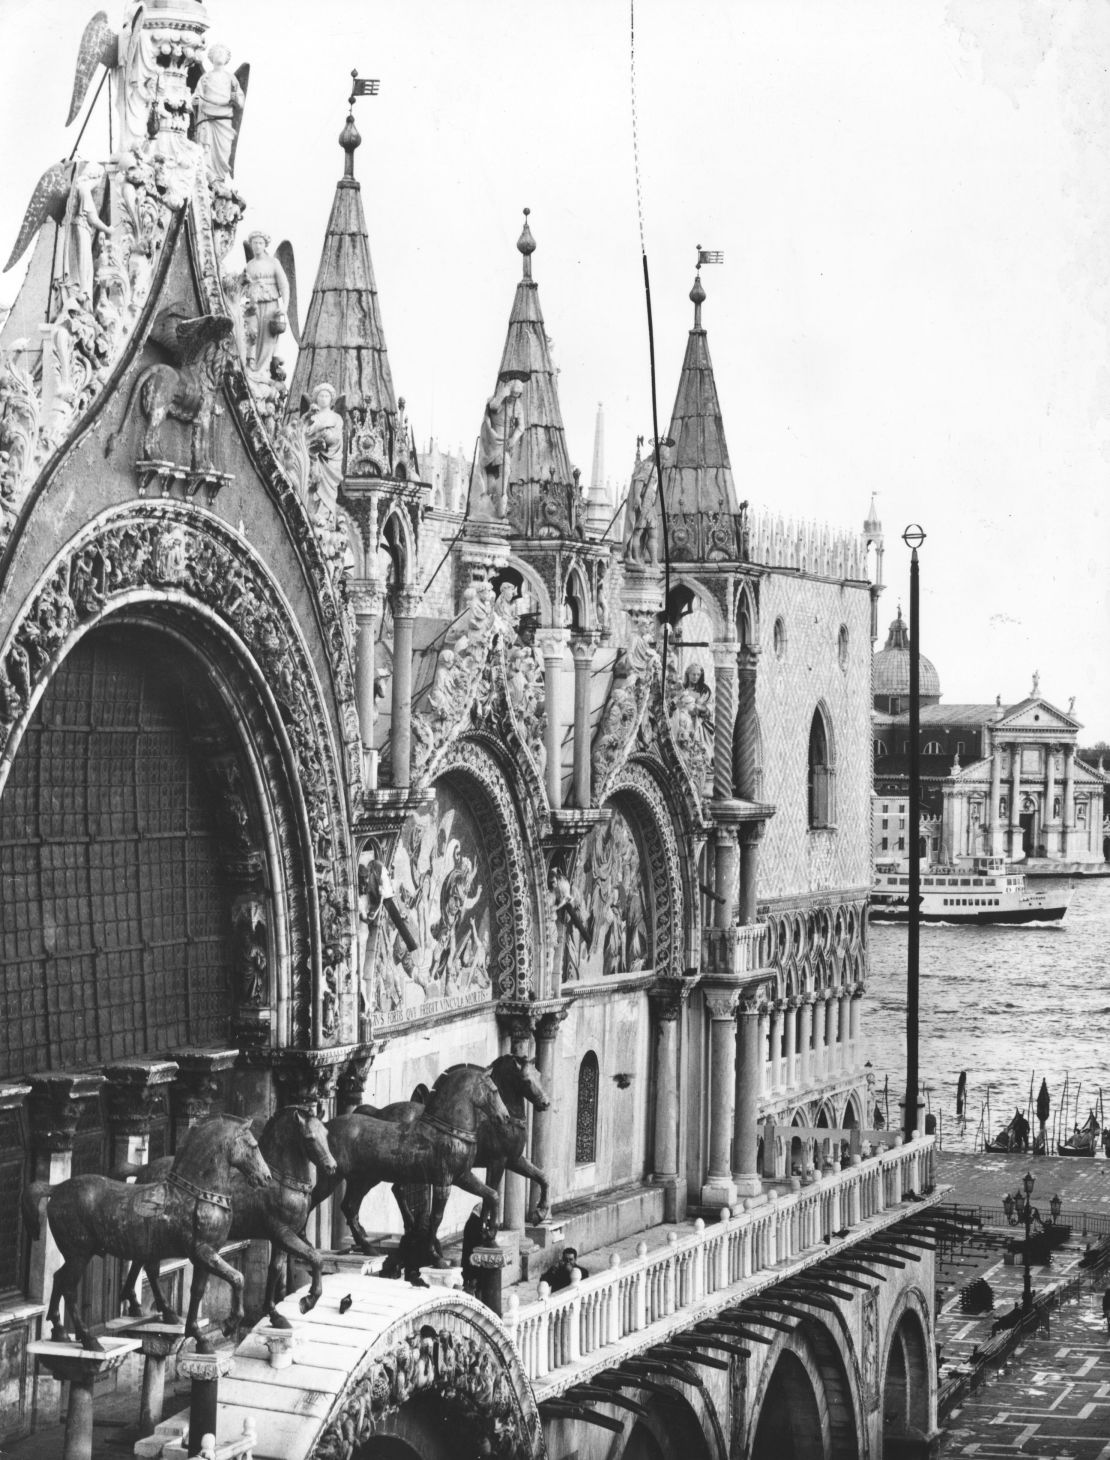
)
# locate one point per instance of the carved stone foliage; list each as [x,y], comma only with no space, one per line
[663,869]
[463,1373]
[624,710]
[459,878]
[165,550]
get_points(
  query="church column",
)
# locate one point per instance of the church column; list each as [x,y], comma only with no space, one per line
[724,712]
[1069,799]
[400,732]
[791,1015]
[666,1006]
[996,839]
[551,643]
[805,1039]
[720,1007]
[582,647]
[749,1066]
[1050,817]
[747,740]
[133,1090]
[1015,799]
[749,873]
[776,1045]
[547,1028]
[724,910]
[366,600]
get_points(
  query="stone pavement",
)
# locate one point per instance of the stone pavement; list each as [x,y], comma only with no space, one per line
[1051,1399]
[983,1179]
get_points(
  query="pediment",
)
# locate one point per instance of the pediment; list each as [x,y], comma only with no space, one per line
[1037,717]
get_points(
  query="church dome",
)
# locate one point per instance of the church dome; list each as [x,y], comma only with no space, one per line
[890,673]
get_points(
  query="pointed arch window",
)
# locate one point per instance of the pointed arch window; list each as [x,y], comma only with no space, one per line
[585,1136]
[822,774]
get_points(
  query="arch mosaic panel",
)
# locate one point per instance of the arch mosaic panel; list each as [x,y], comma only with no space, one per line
[611,893]
[664,867]
[459,878]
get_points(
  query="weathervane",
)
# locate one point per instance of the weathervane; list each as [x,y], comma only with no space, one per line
[709,255]
[362,86]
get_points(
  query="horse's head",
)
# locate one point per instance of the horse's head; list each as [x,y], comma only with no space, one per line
[314,1138]
[525,1078]
[246,1156]
[489,1102]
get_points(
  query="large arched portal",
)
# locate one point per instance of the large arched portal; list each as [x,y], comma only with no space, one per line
[906,1407]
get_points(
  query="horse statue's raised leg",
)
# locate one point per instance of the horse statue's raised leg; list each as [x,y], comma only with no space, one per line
[284,1243]
[467,1181]
[357,1187]
[523,1167]
[206,1261]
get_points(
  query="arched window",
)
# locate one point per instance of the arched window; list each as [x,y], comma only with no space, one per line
[822,782]
[880,749]
[585,1136]
[934,747]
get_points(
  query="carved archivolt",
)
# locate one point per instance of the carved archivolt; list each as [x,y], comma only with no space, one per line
[176,555]
[459,1360]
[656,826]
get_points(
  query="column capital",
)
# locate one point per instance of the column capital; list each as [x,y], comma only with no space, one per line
[55,1105]
[747,658]
[367,597]
[724,654]
[307,1076]
[406,602]
[583,645]
[133,1091]
[539,1019]
[668,996]
[197,1085]
[551,642]
[352,1077]
[721,997]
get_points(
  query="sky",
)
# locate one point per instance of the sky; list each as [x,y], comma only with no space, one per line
[913,202]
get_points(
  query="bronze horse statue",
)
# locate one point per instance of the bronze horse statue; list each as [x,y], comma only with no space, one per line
[500,1144]
[292,1141]
[188,1214]
[434,1150]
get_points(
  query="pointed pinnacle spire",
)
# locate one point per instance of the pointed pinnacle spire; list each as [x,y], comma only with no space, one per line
[527,245]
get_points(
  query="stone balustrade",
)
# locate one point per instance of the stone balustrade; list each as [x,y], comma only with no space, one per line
[732,950]
[631,1306]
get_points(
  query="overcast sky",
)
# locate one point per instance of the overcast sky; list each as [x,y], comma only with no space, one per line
[914,205]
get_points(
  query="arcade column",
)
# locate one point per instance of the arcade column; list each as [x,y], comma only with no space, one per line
[720,1008]
[805,1039]
[750,838]
[776,1045]
[666,1009]
[749,1063]
[551,643]
[400,732]
[582,648]
[790,1013]
[543,1128]
[747,727]
[367,602]
[724,718]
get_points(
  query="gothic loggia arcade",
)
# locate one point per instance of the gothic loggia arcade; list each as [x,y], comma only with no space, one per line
[317,783]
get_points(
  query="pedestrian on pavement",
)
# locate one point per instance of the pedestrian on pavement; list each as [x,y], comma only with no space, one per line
[1106,1308]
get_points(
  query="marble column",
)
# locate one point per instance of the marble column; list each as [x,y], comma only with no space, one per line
[366,600]
[764,1048]
[749,873]
[831,1008]
[805,1039]
[724,715]
[843,1032]
[855,1021]
[400,725]
[1015,800]
[724,878]
[1050,817]
[543,1129]
[132,1093]
[746,765]
[666,1007]
[582,648]
[776,1045]
[551,643]
[1069,798]
[997,845]
[749,1066]
[720,1005]
[791,1015]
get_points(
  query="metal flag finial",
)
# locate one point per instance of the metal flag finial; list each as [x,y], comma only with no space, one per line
[362,86]
[709,255]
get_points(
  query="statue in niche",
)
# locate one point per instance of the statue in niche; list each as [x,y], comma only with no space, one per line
[266,313]
[642,537]
[217,101]
[501,430]
[249,943]
[324,440]
[84,227]
[367,448]
[692,716]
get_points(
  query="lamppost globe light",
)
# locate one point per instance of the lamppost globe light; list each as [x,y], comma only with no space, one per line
[1029,1181]
[1054,1207]
[914,535]
[1008,1206]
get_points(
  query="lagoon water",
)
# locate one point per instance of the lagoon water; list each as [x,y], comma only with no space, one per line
[1003,1003]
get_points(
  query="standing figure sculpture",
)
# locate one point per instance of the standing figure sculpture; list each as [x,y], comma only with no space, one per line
[501,430]
[217,100]
[188,1214]
[267,291]
[324,439]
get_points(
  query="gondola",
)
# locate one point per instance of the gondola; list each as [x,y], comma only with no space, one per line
[1012,1139]
[1084,1141]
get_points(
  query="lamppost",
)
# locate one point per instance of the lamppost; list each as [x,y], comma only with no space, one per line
[1019,1207]
[913,537]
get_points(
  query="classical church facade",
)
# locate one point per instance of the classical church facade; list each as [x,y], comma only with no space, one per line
[315,782]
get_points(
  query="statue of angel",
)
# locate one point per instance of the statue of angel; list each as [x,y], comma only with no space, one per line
[267,309]
[218,103]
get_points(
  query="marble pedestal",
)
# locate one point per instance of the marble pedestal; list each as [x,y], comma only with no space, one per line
[205,1372]
[80,1368]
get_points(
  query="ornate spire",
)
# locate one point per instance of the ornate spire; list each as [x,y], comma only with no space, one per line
[699,476]
[523,468]
[343,342]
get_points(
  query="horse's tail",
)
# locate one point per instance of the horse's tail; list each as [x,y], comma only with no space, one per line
[31,1201]
[140,381]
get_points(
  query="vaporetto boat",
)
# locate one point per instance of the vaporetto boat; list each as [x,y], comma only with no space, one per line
[984,892]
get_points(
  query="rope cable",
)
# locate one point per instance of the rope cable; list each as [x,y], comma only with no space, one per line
[651,343]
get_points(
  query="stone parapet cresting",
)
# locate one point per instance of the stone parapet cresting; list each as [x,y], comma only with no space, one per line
[733,950]
[629,1307]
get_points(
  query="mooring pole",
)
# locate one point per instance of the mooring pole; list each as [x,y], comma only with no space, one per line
[913,537]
